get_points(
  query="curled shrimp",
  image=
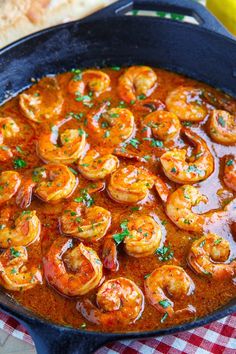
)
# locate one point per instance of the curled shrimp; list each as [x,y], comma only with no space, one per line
[50,183]
[187,103]
[96,80]
[112,126]
[136,81]
[85,223]
[8,129]
[162,125]
[130,184]
[95,165]
[144,236]
[25,231]
[72,144]
[200,166]
[174,281]
[207,255]
[230,173]
[75,273]
[222,127]
[141,235]
[179,209]
[14,274]
[44,103]
[120,302]
[9,184]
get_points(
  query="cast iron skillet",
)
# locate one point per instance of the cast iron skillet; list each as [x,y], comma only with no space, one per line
[205,52]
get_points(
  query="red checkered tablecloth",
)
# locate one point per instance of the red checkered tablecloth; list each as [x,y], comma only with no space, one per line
[217,338]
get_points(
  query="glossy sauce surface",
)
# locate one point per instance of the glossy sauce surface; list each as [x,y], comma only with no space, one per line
[209,293]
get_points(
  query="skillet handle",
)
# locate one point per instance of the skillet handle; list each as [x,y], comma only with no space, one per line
[185,7]
[49,339]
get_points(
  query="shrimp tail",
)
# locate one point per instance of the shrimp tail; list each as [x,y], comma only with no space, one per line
[109,255]
[24,196]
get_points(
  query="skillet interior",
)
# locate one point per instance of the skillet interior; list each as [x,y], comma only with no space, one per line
[118,40]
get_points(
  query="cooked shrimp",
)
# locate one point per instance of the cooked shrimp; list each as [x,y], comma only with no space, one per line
[14,274]
[230,173]
[112,126]
[25,231]
[95,165]
[207,255]
[187,104]
[8,129]
[130,184]
[136,81]
[200,166]
[43,104]
[144,236]
[50,183]
[96,80]
[9,184]
[141,235]
[85,223]
[120,302]
[180,202]
[161,125]
[172,279]
[72,144]
[78,273]
[222,127]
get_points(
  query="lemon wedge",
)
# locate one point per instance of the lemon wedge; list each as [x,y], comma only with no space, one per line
[225,11]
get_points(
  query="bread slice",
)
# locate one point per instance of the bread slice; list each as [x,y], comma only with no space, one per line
[21,17]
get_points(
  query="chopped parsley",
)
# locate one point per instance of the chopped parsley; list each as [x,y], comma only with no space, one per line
[14,252]
[147,157]
[81,132]
[73,171]
[134,142]
[18,148]
[125,232]
[122,104]
[85,198]
[230,162]
[19,163]
[164,253]
[141,97]
[164,317]
[195,169]
[187,124]
[221,121]
[115,68]
[77,116]
[147,276]
[154,143]
[13,271]
[77,74]
[164,303]
[106,134]
[219,240]
[135,208]
[202,243]
[82,98]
